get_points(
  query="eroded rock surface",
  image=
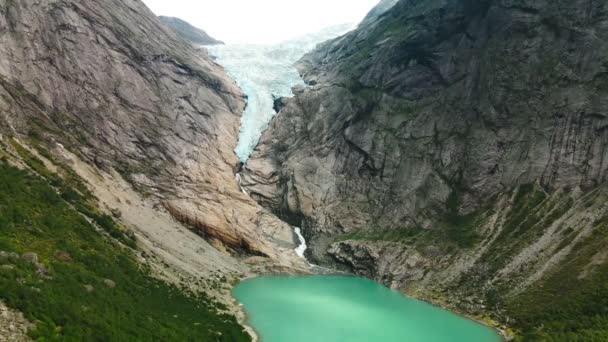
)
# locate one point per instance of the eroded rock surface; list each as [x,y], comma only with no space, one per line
[404,156]
[109,82]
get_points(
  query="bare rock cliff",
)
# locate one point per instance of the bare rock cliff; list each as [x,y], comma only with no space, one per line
[452,145]
[109,82]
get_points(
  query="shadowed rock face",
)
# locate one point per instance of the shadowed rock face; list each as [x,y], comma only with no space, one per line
[382,7]
[189,32]
[436,107]
[436,98]
[110,82]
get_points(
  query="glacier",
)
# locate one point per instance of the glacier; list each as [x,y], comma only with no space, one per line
[266,72]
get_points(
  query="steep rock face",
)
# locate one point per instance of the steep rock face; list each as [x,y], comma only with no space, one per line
[439,98]
[109,82]
[189,32]
[382,7]
[420,125]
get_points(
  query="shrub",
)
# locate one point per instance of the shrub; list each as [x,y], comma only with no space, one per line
[35,218]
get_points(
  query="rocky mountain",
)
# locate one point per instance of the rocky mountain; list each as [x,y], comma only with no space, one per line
[382,7]
[190,33]
[455,150]
[153,109]
[134,128]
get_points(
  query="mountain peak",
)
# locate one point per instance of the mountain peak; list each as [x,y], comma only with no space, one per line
[189,32]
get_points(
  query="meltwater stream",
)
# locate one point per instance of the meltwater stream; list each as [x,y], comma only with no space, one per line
[302,247]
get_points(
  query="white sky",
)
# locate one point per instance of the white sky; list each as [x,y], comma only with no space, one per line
[262,21]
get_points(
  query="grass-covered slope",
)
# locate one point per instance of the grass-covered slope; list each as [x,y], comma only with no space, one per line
[86,286]
[571,302]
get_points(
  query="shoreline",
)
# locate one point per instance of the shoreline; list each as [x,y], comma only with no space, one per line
[503,332]
[243,319]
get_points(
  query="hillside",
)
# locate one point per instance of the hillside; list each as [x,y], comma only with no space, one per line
[455,150]
[117,164]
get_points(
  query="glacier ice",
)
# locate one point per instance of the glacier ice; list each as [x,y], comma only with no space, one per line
[265,72]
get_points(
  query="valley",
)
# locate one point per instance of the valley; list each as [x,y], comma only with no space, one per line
[445,151]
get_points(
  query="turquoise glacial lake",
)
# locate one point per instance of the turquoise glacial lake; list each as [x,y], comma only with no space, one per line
[347,309]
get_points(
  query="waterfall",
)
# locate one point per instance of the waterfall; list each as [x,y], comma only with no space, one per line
[264,73]
[302,247]
[238,180]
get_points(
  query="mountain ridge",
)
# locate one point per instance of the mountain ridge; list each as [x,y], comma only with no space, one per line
[189,32]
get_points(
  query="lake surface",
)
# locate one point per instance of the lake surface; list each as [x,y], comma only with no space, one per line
[349,309]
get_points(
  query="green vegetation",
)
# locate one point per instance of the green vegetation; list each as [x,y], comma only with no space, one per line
[457,228]
[72,190]
[462,229]
[453,231]
[571,303]
[525,221]
[389,235]
[523,216]
[67,294]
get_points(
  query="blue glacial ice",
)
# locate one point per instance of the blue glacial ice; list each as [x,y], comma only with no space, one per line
[265,72]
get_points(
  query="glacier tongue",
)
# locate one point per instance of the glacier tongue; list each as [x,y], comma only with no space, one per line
[265,72]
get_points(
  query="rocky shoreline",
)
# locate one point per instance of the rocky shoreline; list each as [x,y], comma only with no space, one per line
[505,333]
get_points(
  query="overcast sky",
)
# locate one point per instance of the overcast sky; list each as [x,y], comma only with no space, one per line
[262,21]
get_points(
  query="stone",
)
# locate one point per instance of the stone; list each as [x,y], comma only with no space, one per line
[9,256]
[182,159]
[30,257]
[13,326]
[42,270]
[109,283]
[63,256]
[89,288]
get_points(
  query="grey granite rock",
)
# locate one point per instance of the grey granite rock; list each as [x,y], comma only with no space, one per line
[30,257]
[109,82]
[430,112]
[109,283]
[438,98]
[13,326]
